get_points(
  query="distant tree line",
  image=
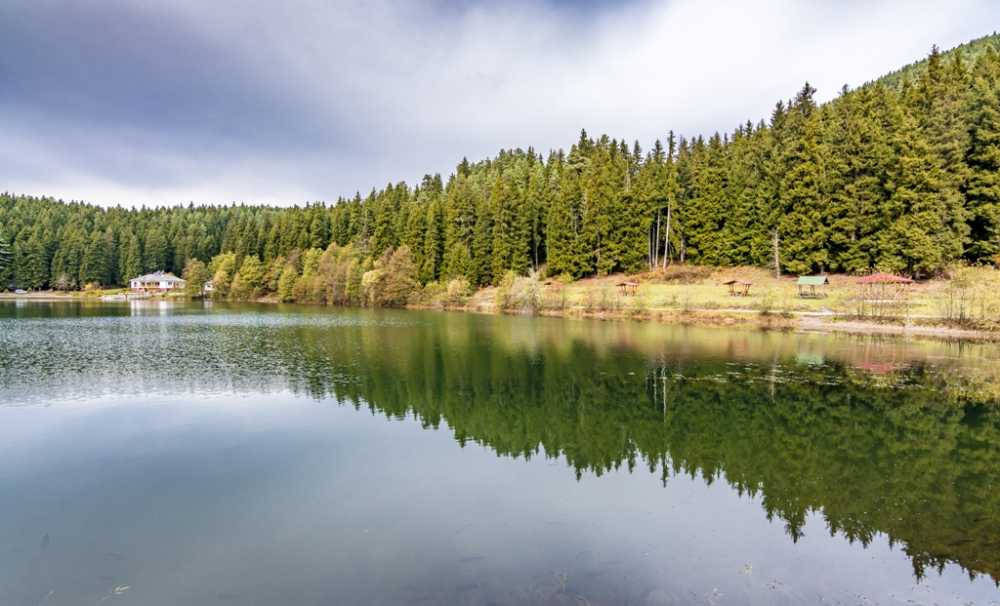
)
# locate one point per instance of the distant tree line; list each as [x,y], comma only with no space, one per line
[902,175]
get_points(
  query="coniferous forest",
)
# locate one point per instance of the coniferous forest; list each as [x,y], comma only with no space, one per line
[901,174]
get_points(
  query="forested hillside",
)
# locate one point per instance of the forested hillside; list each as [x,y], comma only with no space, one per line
[900,176]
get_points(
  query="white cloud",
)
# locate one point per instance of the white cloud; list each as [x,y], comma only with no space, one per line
[393,90]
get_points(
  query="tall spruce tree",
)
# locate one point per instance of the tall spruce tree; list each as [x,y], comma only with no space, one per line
[6,261]
[856,178]
[923,233]
[983,160]
[802,232]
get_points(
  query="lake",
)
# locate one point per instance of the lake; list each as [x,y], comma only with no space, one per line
[163,454]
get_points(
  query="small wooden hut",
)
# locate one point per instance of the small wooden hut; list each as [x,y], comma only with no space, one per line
[738,288]
[812,287]
[627,288]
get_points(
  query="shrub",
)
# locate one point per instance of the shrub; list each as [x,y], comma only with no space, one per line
[519,294]
[195,274]
[458,292]
[686,274]
[393,279]
[555,298]
[433,293]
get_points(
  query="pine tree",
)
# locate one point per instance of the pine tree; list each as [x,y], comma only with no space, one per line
[502,205]
[67,262]
[30,263]
[765,243]
[940,110]
[856,177]
[599,199]
[983,160]
[460,222]
[6,261]
[562,221]
[94,266]
[801,229]
[704,214]
[923,234]
[130,258]
[155,251]
[482,248]
[433,241]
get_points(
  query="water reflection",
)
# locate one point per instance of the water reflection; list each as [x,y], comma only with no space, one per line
[875,436]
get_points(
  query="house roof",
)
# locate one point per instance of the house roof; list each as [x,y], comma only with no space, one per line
[813,280]
[159,276]
[884,278]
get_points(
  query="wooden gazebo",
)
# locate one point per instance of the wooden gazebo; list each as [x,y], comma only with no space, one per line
[881,278]
[738,288]
[883,294]
[627,288]
[812,287]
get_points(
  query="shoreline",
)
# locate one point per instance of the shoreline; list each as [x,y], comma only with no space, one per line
[795,321]
[741,318]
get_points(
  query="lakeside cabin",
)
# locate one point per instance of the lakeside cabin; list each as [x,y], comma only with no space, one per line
[159,282]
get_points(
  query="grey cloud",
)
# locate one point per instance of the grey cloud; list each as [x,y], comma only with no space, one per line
[136,101]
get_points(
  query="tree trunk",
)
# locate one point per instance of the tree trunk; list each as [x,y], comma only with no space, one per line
[656,243]
[777,256]
[666,239]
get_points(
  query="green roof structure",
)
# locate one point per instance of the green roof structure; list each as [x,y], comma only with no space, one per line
[813,280]
[808,284]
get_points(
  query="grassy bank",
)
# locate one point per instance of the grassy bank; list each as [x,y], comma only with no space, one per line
[963,304]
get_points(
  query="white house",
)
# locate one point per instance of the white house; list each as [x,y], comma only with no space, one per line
[158,281]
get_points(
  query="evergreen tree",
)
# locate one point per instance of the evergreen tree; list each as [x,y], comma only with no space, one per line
[856,178]
[130,258]
[923,233]
[433,241]
[6,261]
[802,232]
[482,248]
[94,266]
[155,251]
[983,160]
[562,221]
[30,263]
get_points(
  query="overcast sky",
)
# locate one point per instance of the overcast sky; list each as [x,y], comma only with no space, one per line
[145,102]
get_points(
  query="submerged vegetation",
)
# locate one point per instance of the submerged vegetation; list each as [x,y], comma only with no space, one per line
[899,175]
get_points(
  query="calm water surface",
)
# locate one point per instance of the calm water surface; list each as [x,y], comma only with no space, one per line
[164,454]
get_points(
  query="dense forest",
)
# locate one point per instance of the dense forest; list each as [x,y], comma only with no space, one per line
[901,174]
